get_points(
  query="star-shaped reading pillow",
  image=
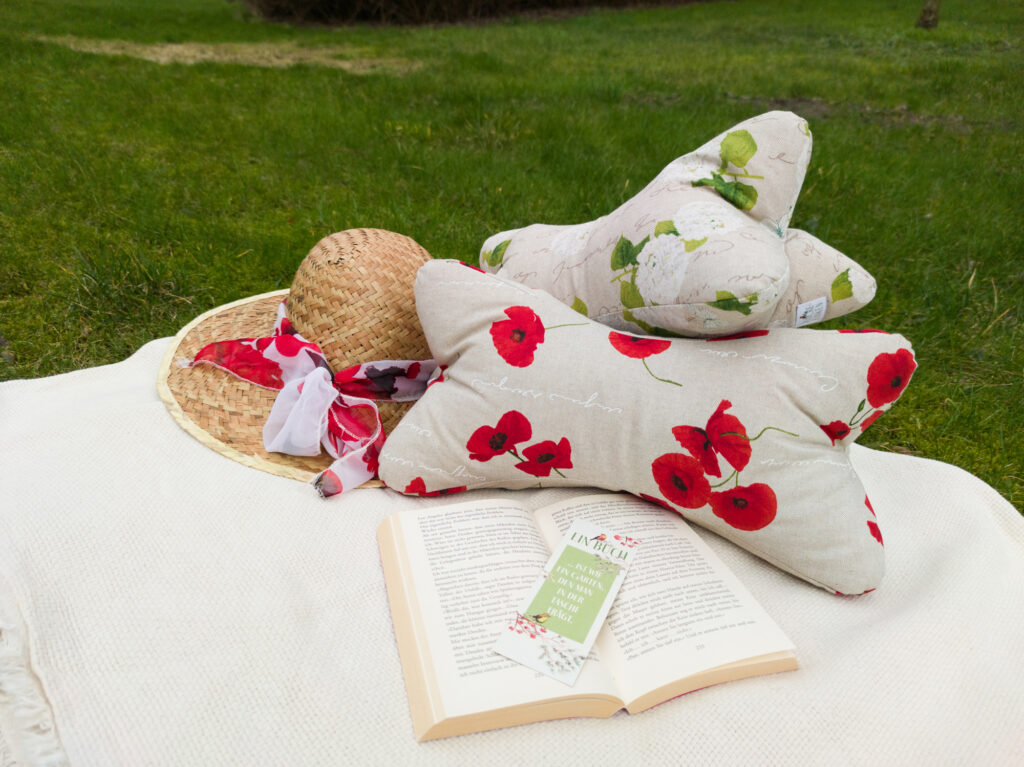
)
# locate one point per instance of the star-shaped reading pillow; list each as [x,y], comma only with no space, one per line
[703,250]
[746,436]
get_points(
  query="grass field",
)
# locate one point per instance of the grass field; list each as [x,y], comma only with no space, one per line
[161,158]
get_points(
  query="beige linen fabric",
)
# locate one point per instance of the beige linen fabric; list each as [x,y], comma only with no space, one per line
[163,605]
[703,250]
[612,408]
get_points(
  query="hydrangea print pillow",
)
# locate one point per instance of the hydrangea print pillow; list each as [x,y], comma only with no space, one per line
[746,436]
[703,250]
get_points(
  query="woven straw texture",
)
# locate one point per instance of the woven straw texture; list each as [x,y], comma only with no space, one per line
[352,295]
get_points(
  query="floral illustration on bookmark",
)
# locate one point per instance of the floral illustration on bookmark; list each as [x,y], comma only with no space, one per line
[557,623]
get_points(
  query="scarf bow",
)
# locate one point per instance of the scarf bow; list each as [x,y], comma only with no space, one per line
[314,408]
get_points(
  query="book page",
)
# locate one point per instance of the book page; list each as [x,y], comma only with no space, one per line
[680,611]
[469,566]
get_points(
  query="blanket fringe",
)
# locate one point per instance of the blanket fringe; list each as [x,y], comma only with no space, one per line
[26,721]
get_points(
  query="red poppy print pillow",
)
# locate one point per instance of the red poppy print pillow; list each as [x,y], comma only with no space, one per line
[746,435]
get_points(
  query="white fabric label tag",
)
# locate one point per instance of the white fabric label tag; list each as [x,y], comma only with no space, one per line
[810,312]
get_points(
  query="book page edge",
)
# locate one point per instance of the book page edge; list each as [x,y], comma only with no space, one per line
[421,687]
[568,707]
[771,663]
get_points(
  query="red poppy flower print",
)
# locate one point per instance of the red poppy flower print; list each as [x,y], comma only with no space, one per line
[640,348]
[243,360]
[870,507]
[438,377]
[346,425]
[836,430]
[724,435]
[742,334]
[372,460]
[637,347]
[888,376]
[382,379]
[656,501]
[287,345]
[681,480]
[474,268]
[419,487]
[416,487]
[346,383]
[517,338]
[545,457]
[862,330]
[876,533]
[328,483]
[489,441]
[745,508]
[871,419]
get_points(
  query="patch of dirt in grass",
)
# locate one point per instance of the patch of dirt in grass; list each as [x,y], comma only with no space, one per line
[817,108]
[808,108]
[284,54]
[902,115]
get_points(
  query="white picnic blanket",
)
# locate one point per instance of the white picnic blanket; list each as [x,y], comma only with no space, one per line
[163,605]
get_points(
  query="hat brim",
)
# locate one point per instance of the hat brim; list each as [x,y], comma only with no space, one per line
[224,412]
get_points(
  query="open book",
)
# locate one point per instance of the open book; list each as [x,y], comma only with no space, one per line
[455,576]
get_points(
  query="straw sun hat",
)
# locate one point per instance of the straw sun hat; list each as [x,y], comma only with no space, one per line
[352,296]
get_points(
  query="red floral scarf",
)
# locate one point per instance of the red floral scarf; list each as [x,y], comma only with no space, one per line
[315,408]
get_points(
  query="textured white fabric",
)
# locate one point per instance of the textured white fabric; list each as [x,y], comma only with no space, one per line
[162,605]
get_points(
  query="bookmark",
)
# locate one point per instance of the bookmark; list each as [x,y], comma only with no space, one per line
[556,625]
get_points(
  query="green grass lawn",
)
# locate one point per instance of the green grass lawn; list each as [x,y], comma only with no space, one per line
[152,164]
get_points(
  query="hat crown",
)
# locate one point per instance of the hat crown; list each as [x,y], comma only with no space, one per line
[352,296]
